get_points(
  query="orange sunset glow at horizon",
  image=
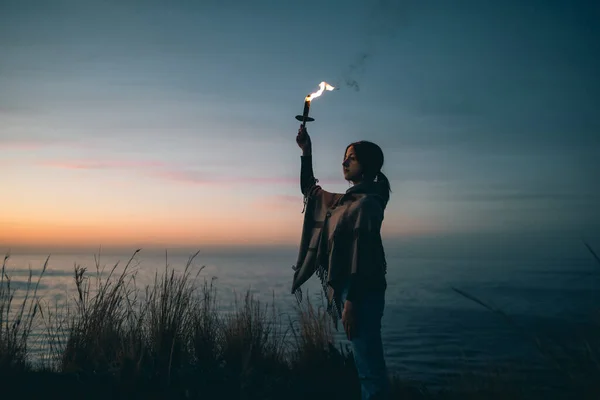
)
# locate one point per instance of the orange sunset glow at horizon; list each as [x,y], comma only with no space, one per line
[284,228]
[118,202]
[155,233]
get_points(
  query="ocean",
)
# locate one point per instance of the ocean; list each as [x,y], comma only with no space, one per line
[430,331]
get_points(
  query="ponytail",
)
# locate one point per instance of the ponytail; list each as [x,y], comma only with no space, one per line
[381,179]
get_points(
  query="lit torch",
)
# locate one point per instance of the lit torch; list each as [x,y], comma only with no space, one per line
[304,117]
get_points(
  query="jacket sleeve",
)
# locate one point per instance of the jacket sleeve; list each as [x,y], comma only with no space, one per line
[308,183]
[367,257]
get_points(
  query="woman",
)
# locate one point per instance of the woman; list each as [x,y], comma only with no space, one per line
[341,242]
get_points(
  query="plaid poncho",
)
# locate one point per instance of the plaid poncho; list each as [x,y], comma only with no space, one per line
[341,240]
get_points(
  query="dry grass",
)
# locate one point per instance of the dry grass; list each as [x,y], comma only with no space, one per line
[171,337]
[16,324]
[169,340]
[167,321]
[205,329]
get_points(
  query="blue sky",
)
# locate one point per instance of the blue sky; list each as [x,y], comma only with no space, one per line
[161,120]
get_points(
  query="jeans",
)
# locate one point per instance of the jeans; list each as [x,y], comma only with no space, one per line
[367,346]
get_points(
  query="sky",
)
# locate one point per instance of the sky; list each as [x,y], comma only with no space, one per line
[171,123]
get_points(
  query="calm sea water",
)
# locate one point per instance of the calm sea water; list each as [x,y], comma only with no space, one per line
[429,331]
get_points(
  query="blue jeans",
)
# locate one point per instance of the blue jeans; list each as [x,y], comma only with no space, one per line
[367,346]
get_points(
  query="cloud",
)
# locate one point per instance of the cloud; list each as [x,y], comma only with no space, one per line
[197,177]
[200,177]
[102,165]
[171,172]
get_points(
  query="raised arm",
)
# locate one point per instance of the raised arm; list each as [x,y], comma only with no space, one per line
[308,183]
[307,177]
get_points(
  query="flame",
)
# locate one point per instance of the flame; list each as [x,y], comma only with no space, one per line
[322,87]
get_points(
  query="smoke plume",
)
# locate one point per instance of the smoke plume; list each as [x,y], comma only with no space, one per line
[379,24]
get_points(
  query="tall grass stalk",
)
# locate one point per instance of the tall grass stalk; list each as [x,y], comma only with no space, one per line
[16,325]
[168,319]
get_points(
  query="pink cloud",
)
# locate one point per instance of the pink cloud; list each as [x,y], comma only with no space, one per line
[205,178]
[196,177]
[175,174]
[110,164]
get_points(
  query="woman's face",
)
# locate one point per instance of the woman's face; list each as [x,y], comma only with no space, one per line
[351,167]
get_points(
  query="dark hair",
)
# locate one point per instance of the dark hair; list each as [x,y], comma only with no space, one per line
[370,157]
